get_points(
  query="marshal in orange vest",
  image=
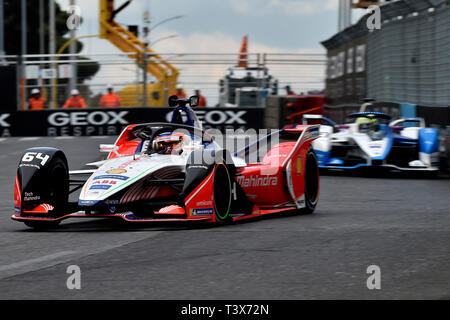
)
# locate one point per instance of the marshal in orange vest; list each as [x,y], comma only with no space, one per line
[110,100]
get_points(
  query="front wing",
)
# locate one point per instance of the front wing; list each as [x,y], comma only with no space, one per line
[130,217]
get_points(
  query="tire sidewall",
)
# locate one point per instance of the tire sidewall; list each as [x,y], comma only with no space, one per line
[222,217]
[309,203]
[57,186]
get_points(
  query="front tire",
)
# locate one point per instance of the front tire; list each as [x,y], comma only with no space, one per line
[56,193]
[223,194]
[58,187]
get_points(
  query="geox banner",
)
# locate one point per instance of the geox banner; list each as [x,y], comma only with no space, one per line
[95,122]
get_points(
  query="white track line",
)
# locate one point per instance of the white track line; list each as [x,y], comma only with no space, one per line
[64,137]
[29,138]
[99,137]
[53,259]
[2,139]
[34,264]
[24,263]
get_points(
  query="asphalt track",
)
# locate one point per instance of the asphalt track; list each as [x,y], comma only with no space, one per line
[399,223]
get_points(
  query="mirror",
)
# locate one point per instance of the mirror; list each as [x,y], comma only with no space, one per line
[193,101]
[173,101]
[109,148]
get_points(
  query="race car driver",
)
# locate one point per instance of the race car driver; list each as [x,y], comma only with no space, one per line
[170,144]
[367,125]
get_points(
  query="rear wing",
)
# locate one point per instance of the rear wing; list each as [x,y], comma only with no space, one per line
[294,164]
[307,117]
[309,133]
[398,122]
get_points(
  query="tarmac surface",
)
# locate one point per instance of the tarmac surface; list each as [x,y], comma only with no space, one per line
[399,223]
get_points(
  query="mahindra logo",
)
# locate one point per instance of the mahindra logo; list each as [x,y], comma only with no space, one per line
[257,181]
[3,122]
[216,117]
[83,118]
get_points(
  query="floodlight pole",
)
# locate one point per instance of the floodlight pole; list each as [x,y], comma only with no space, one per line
[72,51]
[2,30]
[23,7]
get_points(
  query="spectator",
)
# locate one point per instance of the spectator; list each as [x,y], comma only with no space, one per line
[289,92]
[110,99]
[201,99]
[180,92]
[36,102]
[75,102]
[275,88]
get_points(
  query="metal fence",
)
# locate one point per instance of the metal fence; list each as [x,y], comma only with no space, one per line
[56,75]
[409,59]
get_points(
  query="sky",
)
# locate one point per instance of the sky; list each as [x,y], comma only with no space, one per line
[217,26]
[283,25]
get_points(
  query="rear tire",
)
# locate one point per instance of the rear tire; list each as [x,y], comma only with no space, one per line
[311,182]
[223,194]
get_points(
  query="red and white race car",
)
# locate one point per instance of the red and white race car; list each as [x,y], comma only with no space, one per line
[172,172]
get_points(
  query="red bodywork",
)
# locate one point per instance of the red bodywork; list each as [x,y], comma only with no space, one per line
[266,183]
[126,142]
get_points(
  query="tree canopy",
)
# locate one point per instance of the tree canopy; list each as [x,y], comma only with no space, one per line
[12,26]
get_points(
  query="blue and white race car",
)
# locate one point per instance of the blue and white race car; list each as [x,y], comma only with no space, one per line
[370,140]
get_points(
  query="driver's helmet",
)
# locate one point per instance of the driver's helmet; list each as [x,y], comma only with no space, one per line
[366,124]
[169,143]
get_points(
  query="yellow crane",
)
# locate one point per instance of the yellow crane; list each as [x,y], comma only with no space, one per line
[165,73]
[361,4]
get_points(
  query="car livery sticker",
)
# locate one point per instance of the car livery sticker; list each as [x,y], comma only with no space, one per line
[105,182]
[111,176]
[116,171]
[204,203]
[100,187]
[135,178]
[299,165]
[201,211]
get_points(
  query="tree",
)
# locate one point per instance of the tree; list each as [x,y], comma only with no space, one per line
[12,25]
[12,14]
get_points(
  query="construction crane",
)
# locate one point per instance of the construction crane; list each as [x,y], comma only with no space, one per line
[165,73]
[364,4]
